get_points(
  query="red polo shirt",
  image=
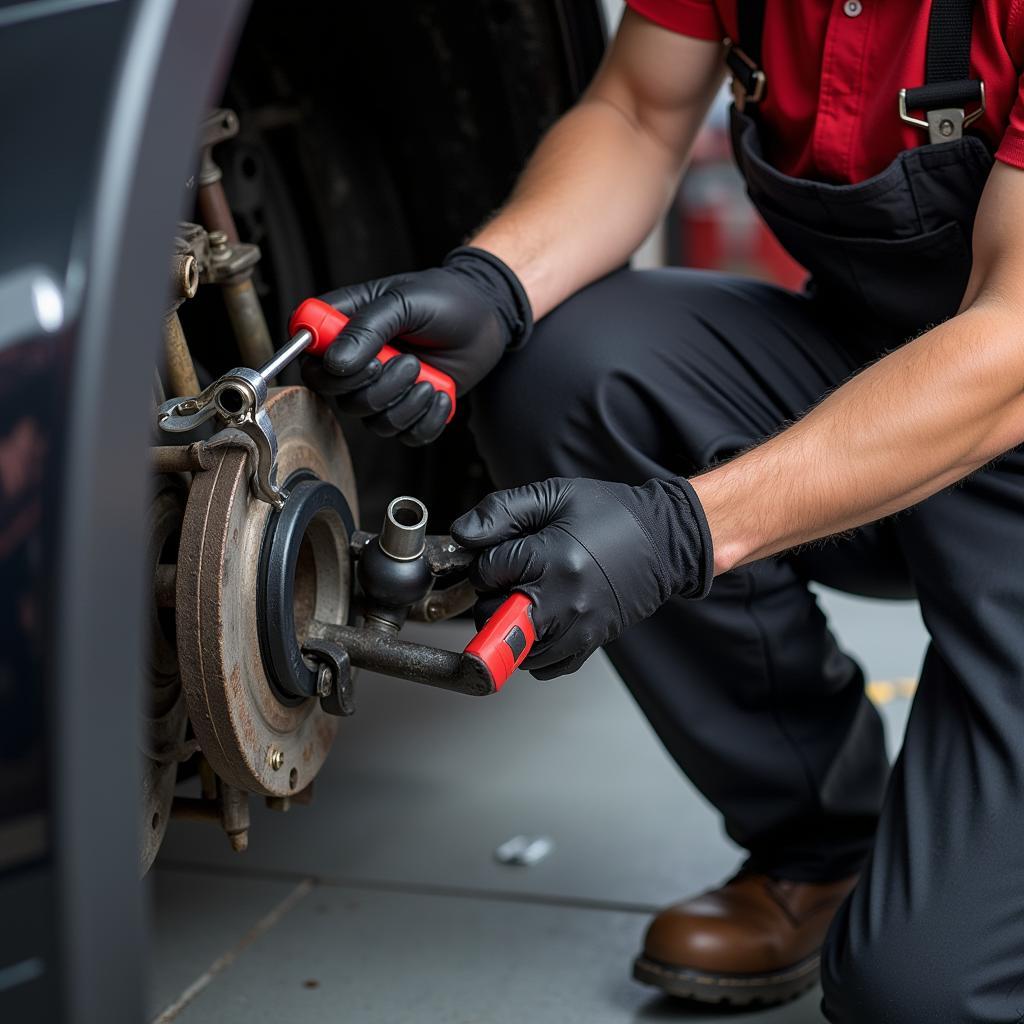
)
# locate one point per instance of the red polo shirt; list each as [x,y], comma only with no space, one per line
[835,69]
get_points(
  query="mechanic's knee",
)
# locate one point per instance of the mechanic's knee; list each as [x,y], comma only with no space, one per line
[897,976]
[512,407]
[581,398]
[535,392]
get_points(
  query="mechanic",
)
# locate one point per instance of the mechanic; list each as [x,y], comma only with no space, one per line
[693,425]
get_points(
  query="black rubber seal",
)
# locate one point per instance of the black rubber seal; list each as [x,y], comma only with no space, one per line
[292,679]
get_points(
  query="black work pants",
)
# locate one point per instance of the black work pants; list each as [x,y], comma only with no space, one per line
[665,372]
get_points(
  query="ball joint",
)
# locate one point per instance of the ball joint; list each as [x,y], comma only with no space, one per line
[393,572]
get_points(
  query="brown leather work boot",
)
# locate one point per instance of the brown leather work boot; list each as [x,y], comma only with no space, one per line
[754,940]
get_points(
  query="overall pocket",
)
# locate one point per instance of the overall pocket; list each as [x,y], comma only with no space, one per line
[903,284]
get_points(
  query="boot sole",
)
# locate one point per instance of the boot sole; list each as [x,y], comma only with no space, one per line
[767,989]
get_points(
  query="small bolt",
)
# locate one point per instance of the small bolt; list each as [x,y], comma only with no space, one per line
[324,681]
[945,128]
[276,758]
[219,249]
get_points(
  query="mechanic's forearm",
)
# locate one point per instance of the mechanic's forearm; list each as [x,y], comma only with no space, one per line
[916,421]
[604,174]
[592,191]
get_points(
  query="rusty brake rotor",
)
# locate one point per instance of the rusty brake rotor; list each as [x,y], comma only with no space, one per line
[253,739]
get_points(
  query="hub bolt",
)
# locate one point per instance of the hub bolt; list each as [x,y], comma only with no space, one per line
[276,758]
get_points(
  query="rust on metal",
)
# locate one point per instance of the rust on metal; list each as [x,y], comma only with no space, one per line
[180,458]
[234,816]
[231,265]
[229,809]
[248,321]
[184,275]
[181,373]
[214,211]
[231,261]
[385,653]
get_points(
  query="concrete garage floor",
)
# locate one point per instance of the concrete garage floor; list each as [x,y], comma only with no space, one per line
[383,902]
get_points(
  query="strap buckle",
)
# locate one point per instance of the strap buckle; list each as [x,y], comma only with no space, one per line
[944,124]
[748,81]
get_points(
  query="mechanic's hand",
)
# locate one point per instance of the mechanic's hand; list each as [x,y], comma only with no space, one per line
[462,315]
[594,557]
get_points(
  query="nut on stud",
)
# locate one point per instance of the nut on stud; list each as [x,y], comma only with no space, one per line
[219,248]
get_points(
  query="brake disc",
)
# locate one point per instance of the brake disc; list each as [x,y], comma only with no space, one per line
[251,737]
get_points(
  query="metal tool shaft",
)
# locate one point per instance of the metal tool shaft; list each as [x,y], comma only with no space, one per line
[296,345]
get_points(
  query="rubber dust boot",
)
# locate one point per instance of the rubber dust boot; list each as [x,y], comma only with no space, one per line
[754,940]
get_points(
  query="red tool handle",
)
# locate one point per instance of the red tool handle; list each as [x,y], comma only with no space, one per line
[506,638]
[324,322]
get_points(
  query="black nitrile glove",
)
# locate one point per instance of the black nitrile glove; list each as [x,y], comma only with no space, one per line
[594,557]
[460,316]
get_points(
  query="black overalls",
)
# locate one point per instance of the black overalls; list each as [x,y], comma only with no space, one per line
[664,372]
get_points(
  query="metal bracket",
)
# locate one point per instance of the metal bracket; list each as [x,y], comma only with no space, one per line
[945,124]
[740,94]
[237,399]
[218,126]
[334,681]
[229,261]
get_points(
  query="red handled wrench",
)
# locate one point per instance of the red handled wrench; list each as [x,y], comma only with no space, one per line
[237,398]
[323,322]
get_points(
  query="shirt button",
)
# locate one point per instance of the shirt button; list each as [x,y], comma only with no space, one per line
[852,8]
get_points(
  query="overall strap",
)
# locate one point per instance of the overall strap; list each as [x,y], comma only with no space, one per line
[948,87]
[943,99]
[744,56]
